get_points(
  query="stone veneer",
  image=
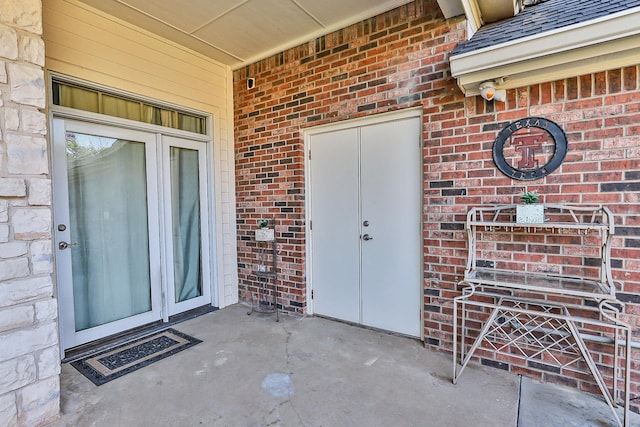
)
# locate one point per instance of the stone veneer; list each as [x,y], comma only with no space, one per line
[29,350]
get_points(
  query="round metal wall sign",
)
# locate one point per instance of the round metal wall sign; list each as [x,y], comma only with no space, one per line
[529,148]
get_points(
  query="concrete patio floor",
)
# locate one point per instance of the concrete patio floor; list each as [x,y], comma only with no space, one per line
[252,371]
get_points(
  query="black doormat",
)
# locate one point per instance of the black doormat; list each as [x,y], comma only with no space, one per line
[118,361]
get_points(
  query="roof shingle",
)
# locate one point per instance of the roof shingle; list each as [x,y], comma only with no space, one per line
[541,18]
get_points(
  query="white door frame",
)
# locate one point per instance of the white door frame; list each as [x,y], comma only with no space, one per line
[347,124]
[94,119]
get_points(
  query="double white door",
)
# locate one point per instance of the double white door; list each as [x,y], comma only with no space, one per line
[366,241]
[131,228]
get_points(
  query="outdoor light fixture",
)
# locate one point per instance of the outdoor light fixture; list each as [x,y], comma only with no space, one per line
[489,92]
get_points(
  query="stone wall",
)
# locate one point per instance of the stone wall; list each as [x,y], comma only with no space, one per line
[400,59]
[29,351]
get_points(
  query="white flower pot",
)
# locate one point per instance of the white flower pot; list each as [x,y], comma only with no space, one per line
[265,234]
[530,214]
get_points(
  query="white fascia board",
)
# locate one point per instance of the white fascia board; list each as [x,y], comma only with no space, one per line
[587,44]
[474,16]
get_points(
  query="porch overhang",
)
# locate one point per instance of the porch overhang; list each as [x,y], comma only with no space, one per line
[591,46]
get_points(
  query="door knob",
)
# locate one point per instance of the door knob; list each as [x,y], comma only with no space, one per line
[65,245]
[366,237]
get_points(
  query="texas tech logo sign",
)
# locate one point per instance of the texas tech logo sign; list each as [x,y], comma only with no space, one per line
[529,148]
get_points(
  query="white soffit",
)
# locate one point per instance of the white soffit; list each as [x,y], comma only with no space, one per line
[495,10]
[451,8]
[480,12]
[591,46]
[240,32]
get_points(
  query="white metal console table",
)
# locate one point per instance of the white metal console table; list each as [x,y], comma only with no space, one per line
[543,318]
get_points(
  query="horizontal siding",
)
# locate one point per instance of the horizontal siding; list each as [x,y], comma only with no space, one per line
[88,44]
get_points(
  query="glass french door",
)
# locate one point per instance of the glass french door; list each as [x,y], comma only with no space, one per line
[124,201]
[186,228]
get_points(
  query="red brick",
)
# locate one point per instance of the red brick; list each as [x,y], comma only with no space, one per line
[411,57]
[630,77]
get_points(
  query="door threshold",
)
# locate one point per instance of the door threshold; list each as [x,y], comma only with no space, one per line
[371,328]
[115,340]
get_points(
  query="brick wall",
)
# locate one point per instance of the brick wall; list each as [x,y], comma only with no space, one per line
[393,61]
[399,60]
[29,353]
[600,114]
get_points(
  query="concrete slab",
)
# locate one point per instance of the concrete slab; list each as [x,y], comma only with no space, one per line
[551,405]
[252,371]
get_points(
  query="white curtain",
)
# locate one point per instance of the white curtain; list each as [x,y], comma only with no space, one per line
[109,230]
[113,105]
[185,212]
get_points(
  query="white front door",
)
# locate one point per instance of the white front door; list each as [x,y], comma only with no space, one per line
[366,242]
[124,201]
[391,200]
[335,221]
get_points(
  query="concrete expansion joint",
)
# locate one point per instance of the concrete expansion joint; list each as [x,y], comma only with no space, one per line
[519,401]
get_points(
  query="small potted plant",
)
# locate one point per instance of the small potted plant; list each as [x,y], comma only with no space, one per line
[530,212]
[264,233]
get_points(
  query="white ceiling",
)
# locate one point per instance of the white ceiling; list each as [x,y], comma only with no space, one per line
[239,32]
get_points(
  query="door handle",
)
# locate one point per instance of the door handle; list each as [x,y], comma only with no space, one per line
[366,237]
[65,245]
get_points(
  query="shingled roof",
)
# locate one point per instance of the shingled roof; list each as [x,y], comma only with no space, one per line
[541,18]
